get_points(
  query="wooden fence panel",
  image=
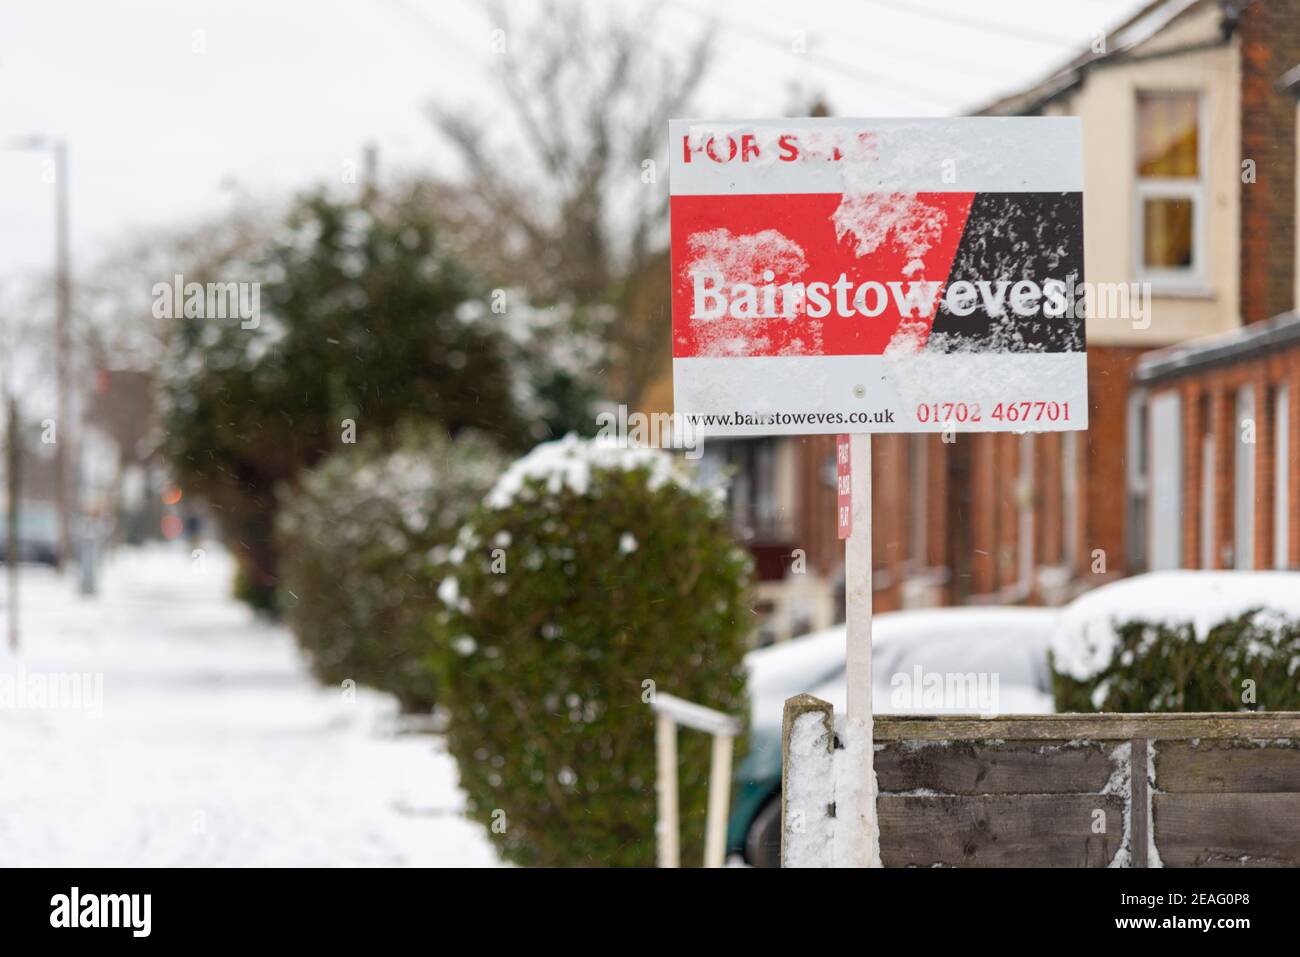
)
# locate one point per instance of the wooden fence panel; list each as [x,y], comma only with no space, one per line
[978,767]
[1202,767]
[1089,790]
[1227,830]
[1004,830]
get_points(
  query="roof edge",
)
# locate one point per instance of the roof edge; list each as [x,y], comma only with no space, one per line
[1071,74]
[1240,344]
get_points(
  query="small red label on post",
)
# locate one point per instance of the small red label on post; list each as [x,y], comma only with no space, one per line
[843,487]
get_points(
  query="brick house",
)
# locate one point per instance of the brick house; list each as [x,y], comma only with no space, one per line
[1221,419]
[1190,162]
[1190,140]
[1222,414]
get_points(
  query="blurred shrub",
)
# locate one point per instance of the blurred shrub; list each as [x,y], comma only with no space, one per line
[259,599]
[361,319]
[1168,667]
[588,573]
[359,536]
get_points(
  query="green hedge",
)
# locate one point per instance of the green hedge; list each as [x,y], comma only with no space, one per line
[1166,667]
[359,538]
[360,317]
[617,573]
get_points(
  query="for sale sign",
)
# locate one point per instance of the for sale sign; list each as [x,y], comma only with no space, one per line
[835,275]
[843,487]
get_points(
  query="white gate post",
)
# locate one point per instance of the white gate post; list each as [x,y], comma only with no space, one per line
[715,827]
[670,711]
[666,773]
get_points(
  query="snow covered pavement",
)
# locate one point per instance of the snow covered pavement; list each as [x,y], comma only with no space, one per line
[210,745]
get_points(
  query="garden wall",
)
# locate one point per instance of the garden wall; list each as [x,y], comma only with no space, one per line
[1077,790]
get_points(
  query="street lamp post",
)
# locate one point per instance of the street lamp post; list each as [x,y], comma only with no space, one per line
[62,331]
[12,464]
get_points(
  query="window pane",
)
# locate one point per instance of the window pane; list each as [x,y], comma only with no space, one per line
[1166,499]
[1167,233]
[1167,134]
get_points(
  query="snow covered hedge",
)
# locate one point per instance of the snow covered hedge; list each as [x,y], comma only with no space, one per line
[360,538]
[590,577]
[1182,641]
[361,317]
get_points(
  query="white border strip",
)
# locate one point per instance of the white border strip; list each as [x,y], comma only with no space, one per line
[850,386]
[1004,154]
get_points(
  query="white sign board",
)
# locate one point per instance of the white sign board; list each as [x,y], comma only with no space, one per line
[835,275]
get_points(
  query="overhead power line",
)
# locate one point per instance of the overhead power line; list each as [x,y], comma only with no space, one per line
[889,47]
[1003,30]
[943,99]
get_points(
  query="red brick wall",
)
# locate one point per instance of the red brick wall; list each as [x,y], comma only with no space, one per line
[971,501]
[1105,492]
[958,551]
[815,530]
[983,513]
[1049,506]
[1194,429]
[1263,557]
[1215,389]
[1270,45]
[1008,509]
[936,502]
[891,499]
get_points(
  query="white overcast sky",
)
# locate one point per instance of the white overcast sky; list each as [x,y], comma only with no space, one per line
[288,90]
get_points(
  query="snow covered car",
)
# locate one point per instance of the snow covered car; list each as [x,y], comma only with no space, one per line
[998,655]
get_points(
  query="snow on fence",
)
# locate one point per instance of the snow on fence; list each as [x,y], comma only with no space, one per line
[670,711]
[1064,790]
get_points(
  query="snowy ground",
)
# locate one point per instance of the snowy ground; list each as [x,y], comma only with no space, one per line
[214,746]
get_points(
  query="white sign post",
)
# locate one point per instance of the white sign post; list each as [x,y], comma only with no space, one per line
[861,276]
[859,844]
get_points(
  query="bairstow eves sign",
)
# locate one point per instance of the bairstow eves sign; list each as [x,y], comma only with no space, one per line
[834,275]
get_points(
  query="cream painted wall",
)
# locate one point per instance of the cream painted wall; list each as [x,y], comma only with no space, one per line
[1107,104]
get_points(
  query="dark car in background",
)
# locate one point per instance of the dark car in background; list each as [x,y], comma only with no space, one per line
[38,533]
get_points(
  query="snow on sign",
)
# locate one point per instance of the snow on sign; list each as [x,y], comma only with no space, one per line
[834,275]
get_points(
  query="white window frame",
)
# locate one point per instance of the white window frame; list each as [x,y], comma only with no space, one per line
[1245,480]
[1137,465]
[1190,279]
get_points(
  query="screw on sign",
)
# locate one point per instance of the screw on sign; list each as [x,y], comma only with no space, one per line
[836,276]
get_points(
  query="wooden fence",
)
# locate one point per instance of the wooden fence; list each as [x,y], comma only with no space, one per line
[1065,790]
